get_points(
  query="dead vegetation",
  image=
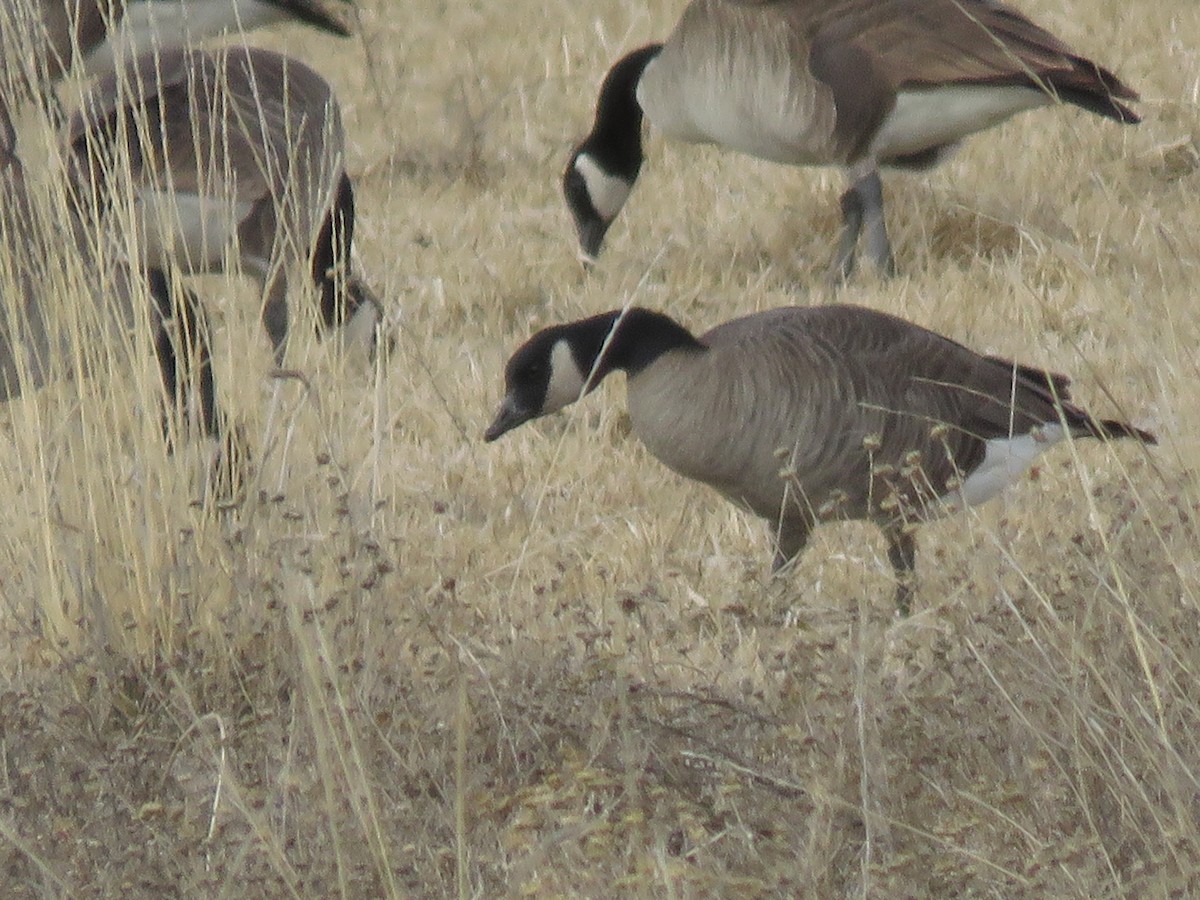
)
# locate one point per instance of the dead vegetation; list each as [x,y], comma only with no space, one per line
[411,664]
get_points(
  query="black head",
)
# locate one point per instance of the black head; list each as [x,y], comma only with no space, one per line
[550,371]
[556,366]
[603,168]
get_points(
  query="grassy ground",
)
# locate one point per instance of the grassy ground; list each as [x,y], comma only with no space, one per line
[412,664]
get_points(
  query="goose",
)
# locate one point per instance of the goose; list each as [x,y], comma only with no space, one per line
[861,84]
[114,37]
[37,238]
[207,152]
[55,34]
[807,414]
[233,152]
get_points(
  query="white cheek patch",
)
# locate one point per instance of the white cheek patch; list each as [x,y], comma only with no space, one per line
[566,381]
[1004,462]
[608,193]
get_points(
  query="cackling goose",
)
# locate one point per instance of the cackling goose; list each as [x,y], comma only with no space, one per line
[806,414]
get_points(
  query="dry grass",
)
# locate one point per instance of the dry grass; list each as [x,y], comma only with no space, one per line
[413,664]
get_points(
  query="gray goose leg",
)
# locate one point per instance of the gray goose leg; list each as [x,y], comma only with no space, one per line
[902,554]
[852,218]
[181,341]
[863,203]
[879,248]
[182,347]
[791,537]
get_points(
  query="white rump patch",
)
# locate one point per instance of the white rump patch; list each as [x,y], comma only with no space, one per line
[1004,462]
[566,381]
[607,192]
[928,118]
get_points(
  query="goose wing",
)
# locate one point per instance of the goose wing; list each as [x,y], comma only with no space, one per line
[863,46]
[241,120]
[855,395]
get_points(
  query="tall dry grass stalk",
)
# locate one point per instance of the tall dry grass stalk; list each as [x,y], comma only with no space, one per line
[410,664]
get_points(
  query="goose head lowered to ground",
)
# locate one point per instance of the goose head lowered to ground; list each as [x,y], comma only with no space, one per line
[807,414]
[861,84]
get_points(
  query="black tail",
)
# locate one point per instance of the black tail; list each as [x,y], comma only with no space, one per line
[1095,89]
[1111,429]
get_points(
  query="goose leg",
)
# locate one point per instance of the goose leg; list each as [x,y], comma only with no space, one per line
[181,339]
[852,219]
[862,205]
[902,554]
[879,248]
[275,312]
[791,538]
[181,335]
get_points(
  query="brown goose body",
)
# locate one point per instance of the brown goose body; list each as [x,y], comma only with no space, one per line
[861,84]
[866,415]
[227,153]
[830,82]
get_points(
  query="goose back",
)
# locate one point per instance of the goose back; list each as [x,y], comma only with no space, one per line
[859,405]
[254,137]
[832,81]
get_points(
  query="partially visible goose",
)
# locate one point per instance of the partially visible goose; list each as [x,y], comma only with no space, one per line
[52,35]
[231,154]
[868,416]
[861,84]
[41,238]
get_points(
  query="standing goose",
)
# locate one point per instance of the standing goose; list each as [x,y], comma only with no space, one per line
[237,150]
[869,416]
[862,84]
[41,239]
[230,152]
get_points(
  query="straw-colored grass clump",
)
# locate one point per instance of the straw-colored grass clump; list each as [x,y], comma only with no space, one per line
[409,663]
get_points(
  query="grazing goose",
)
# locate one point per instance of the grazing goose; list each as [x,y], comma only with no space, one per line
[52,33]
[40,239]
[863,84]
[235,152]
[868,416]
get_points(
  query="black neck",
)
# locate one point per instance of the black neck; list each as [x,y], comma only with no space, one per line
[641,337]
[616,138]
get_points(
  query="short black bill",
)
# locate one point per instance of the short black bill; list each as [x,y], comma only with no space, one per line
[509,417]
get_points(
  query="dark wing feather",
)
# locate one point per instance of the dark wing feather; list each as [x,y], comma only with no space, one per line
[865,50]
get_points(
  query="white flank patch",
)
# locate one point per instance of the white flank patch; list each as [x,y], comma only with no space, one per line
[188,231]
[150,26]
[1004,462]
[566,381]
[928,118]
[608,192]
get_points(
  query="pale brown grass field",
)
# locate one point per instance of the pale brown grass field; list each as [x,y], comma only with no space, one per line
[409,663]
